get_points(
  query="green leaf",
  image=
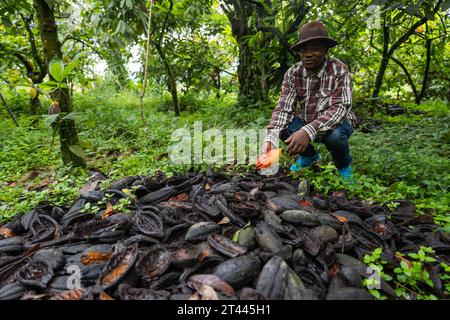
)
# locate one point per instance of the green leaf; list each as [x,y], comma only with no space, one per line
[378,251]
[69,116]
[413,255]
[421,255]
[375,293]
[68,69]
[49,120]
[78,151]
[56,69]
[404,265]
[387,277]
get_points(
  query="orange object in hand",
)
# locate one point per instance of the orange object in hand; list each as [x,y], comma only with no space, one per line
[265,160]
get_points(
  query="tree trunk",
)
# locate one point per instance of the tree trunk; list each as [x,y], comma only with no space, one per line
[35,105]
[52,47]
[252,86]
[171,83]
[384,61]
[426,73]
[11,114]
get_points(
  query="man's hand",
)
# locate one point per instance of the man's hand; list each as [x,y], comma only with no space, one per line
[297,142]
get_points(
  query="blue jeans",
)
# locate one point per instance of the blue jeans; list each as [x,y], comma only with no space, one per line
[335,140]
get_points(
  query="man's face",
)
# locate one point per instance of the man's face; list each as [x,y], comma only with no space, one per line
[313,53]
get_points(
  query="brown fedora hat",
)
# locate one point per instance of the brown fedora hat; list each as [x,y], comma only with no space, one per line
[311,31]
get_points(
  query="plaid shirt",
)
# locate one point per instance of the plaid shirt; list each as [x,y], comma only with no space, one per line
[324,97]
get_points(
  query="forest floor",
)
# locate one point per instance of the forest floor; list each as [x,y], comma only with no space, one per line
[394,157]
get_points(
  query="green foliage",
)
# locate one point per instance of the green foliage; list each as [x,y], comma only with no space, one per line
[413,276]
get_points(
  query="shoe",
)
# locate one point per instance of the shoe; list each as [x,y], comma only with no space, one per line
[303,162]
[346,175]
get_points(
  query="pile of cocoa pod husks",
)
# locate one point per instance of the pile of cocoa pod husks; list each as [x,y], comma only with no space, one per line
[206,236]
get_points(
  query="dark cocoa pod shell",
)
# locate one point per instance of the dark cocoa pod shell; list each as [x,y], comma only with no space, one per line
[165,281]
[302,217]
[238,271]
[328,220]
[221,203]
[279,204]
[123,183]
[139,239]
[149,223]
[221,187]
[153,262]
[92,196]
[43,228]
[325,233]
[273,220]
[295,289]
[126,292]
[267,239]
[58,285]
[54,256]
[35,274]
[27,218]
[90,273]
[158,196]
[11,245]
[272,279]
[226,246]
[201,230]
[250,294]
[12,291]
[349,216]
[118,266]
[187,255]
[196,281]
[96,254]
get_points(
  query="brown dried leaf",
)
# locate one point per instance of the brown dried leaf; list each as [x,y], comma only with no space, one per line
[108,211]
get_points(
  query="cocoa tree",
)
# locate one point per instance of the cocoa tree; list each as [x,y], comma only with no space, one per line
[69,142]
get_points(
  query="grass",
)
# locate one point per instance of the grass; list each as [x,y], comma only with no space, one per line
[407,158]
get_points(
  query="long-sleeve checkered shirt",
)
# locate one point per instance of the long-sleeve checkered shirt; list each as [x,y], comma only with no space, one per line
[324,98]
